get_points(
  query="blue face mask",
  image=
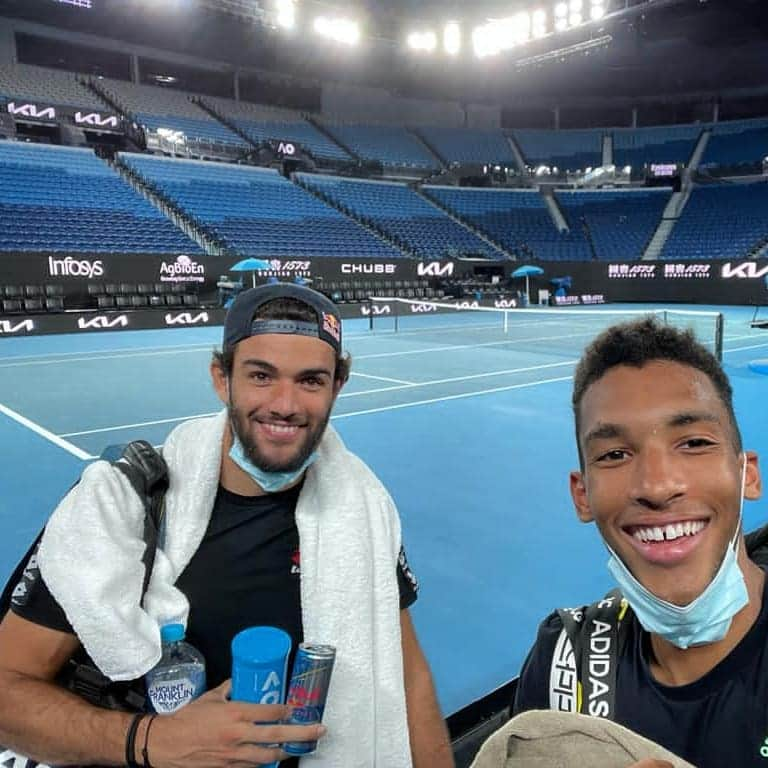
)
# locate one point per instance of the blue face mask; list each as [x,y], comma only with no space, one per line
[706,619]
[271,482]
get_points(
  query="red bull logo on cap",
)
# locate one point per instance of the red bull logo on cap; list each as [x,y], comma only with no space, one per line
[332,326]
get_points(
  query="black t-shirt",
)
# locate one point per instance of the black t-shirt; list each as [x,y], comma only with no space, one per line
[721,720]
[246,572]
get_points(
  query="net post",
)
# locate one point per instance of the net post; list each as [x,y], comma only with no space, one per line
[506,321]
[719,328]
[397,315]
[369,301]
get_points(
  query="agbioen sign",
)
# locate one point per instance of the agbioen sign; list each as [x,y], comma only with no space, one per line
[183,270]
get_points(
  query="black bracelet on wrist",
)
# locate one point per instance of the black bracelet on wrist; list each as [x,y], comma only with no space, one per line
[130,741]
[145,751]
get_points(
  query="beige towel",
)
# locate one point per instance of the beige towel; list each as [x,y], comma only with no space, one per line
[550,739]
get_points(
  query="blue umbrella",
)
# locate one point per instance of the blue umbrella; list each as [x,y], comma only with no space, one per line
[527,271]
[251,265]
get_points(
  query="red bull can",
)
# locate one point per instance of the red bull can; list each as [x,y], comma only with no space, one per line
[308,690]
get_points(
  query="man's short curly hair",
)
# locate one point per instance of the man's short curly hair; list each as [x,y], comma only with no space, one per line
[643,341]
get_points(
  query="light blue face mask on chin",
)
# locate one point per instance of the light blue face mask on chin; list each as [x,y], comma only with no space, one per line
[706,619]
[270,482]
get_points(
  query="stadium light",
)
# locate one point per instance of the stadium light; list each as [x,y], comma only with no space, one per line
[561,10]
[422,41]
[576,6]
[561,24]
[597,11]
[286,13]
[341,30]
[501,34]
[539,23]
[452,38]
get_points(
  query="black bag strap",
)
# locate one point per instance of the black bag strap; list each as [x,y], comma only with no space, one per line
[147,472]
[597,634]
[756,543]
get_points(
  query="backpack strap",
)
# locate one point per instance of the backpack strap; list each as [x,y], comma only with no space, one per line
[585,661]
[757,545]
[147,472]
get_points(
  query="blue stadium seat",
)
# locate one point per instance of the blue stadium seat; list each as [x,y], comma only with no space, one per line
[404,215]
[257,211]
[721,221]
[63,199]
[518,220]
[392,146]
[620,222]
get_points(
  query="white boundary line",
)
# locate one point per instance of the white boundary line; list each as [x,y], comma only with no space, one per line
[36,428]
[381,378]
[449,397]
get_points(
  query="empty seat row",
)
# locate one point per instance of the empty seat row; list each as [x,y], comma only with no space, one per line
[33,305]
[138,301]
[31,291]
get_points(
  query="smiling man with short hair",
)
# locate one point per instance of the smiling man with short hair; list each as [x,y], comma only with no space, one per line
[269,520]
[680,656]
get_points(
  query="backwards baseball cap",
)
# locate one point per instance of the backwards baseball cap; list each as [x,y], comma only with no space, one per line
[243,321]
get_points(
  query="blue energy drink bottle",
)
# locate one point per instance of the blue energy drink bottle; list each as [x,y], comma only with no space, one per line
[260,667]
[308,691]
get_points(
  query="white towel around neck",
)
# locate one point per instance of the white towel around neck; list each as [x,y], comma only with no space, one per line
[349,531]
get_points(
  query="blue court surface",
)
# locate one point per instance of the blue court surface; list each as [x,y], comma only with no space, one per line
[467,425]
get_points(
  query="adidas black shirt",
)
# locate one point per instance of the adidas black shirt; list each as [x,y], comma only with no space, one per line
[719,721]
[245,573]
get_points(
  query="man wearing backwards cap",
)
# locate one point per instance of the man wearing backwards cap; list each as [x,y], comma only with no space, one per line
[269,520]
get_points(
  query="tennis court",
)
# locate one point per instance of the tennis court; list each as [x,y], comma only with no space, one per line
[467,423]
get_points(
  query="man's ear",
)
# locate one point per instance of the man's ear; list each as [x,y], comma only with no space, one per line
[220,382]
[579,496]
[753,484]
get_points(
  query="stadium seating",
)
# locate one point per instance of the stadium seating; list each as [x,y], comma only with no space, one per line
[518,220]
[469,145]
[738,145]
[657,144]
[404,215]
[66,199]
[392,146]
[257,211]
[620,223]
[570,150]
[156,108]
[721,221]
[46,87]
[262,124]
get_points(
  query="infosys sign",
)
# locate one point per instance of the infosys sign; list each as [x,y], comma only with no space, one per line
[72,267]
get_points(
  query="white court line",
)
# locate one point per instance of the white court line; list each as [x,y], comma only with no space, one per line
[52,356]
[381,378]
[751,346]
[404,385]
[458,378]
[119,427]
[449,397]
[102,357]
[55,439]
[451,347]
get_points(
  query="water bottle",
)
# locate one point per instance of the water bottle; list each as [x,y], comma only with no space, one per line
[179,676]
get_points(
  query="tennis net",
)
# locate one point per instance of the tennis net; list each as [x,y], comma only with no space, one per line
[565,329]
